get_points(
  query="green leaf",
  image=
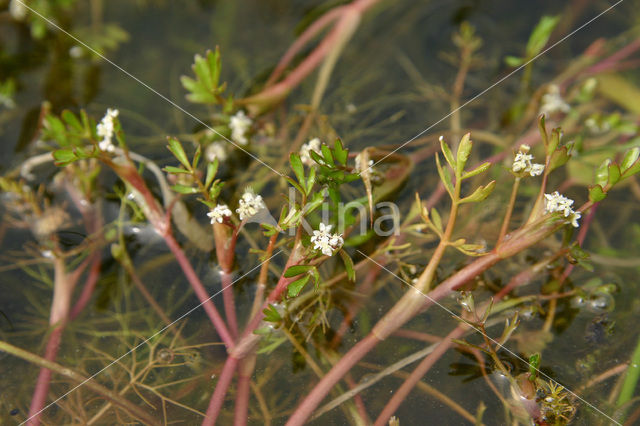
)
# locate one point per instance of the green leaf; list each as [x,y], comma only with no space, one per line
[295,287]
[340,153]
[201,69]
[558,158]
[614,174]
[513,61]
[464,150]
[297,167]
[271,314]
[62,157]
[171,169]
[480,169]
[540,35]
[311,180]
[72,121]
[296,270]
[215,189]
[196,157]
[294,184]
[176,149]
[629,158]
[480,193]
[554,142]
[602,173]
[348,265]
[542,128]
[445,177]
[436,219]
[596,194]
[212,170]
[328,156]
[184,189]
[448,155]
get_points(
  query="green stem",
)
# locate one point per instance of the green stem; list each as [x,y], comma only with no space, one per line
[631,378]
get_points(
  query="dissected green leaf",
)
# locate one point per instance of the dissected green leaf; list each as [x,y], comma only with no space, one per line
[340,153]
[271,314]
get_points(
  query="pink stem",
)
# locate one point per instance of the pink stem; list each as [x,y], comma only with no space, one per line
[229,304]
[39,397]
[416,375]
[217,399]
[200,291]
[612,60]
[301,41]
[89,286]
[323,387]
[242,394]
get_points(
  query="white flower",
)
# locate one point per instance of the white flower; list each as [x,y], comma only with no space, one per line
[574,219]
[559,203]
[522,162]
[239,124]
[219,212]
[216,150]
[250,204]
[305,151]
[552,102]
[536,169]
[105,129]
[326,242]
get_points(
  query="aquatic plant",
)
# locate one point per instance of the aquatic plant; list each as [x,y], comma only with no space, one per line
[316,219]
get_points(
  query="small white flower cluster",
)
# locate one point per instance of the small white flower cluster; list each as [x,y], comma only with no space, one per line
[552,102]
[250,204]
[559,203]
[239,124]
[219,212]
[522,162]
[106,129]
[216,150]
[305,151]
[326,242]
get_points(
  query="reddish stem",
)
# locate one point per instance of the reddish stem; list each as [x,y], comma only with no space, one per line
[229,304]
[39,397]
[242,394]
[417,374]
[217,399]
[89,286]
[200,291]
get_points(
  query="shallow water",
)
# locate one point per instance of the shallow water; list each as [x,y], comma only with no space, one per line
[386,89]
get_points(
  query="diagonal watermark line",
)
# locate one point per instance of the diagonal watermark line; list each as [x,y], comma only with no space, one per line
[450,312]
[149,338]
[145,85]
[563,39]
